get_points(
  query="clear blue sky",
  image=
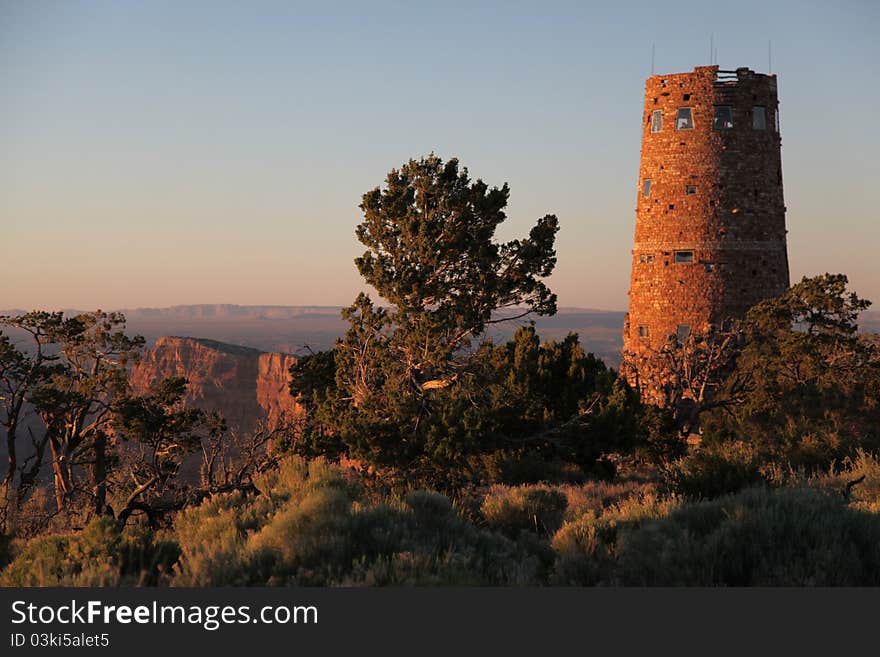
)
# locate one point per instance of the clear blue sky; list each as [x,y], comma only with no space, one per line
[157,153]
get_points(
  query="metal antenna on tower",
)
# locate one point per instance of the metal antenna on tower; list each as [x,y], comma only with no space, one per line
[711,48]
[652,59]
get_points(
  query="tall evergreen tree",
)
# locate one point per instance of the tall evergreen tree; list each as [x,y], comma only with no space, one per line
[432,256]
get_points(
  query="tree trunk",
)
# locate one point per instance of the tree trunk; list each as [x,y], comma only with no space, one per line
[8,484]
[11,458]
[99,473]
[60,472]
[29,473]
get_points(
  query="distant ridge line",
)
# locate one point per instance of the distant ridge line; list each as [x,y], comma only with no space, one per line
[217,345]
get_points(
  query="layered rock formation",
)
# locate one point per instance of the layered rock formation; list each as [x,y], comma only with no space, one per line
[245,385]
[273,387]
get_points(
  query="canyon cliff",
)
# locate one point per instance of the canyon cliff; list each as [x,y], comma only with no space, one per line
[245,385]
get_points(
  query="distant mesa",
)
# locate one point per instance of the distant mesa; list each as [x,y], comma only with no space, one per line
[231,311]
[290,329]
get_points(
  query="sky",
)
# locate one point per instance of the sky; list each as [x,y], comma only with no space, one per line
[161,153]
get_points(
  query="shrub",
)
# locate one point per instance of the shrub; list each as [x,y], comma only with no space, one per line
[99,555]
[857,479]
[520,466]
[661,440]
[759,537]
[428,505]
[212,541]
[596,496]
[538,509]
[275,537]
[307,527]
[715,470]
[423,541]
[310,525]
[309,542]
[396,547]
[587,547]
[295,477]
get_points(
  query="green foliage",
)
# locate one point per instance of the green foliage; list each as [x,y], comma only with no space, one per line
[856,479]
[23,373]
[588,546]
[99,555]
[424,541]
[162,433]
[409,395]
[406,394]
[307,528]
[212,542]
[715,470]
[759,537]
[236,540]
[309,542]
[813,391]
[596,496]
[537,509]
[78,372]
[534,385]
[525,465]
[520,412]
[157,416]
[312,524]
[431,254]
[311,376]
[659,440]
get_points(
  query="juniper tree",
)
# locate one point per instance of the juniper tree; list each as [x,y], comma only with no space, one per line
[812,381]
[24,368]
[76,402]
[432,256]
[160,433]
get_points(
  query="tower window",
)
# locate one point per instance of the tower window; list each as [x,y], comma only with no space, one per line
[710,266]
[683,332]
[759,117]
[690,189]
[723,117]
[684,120]
[656,121]
[646,257]
[646,187]
[684,256]
[776,121]
[643,331]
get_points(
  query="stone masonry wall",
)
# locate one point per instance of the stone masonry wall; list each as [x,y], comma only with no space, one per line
[715,191]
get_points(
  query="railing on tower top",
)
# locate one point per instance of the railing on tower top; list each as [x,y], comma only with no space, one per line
[726,76]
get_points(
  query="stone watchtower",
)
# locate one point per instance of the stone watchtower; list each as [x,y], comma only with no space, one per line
[710,221]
